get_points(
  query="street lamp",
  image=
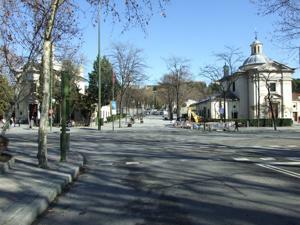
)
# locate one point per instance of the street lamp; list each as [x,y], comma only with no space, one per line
[99,68]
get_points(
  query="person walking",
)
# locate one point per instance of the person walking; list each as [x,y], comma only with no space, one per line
[236,126]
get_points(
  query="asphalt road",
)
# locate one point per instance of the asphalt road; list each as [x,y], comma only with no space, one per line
[152,174]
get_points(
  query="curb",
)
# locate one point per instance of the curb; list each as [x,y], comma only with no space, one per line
[26,211]
[6,166]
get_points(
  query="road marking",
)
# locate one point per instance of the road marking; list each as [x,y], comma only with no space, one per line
[292,146]
[132,163]
[293,158]
[267,158]
[257,146]
[241,159]
[274,146]
[285,163]
[277,169]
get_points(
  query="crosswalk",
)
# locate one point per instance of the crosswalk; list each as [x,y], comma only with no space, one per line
[286,165]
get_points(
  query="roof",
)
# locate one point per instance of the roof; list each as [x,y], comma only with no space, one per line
[256,59]
[229,96]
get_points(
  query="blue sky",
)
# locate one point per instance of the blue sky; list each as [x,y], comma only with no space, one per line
[192,29]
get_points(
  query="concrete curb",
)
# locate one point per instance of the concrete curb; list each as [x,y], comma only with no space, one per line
[6,166]
[25,211]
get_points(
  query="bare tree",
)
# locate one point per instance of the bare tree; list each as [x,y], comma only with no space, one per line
[33,26]
[131,12]
[28,31]
[226,76]
[179,69]
[288,12]
[166,92]
[232,57]
[129,68]
[267,78]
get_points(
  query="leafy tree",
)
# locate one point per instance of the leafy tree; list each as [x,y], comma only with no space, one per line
[106,85]
[296,85]
[6,96]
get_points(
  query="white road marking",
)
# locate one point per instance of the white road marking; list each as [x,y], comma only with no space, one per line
[257,146]
[293,158]
[292,146]
[267,158]
[277,169]
[285,163]
[241,159]
[106,164]
[132,163]
[274,146]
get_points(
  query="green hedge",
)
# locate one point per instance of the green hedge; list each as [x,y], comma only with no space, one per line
[260,122]
[115,117]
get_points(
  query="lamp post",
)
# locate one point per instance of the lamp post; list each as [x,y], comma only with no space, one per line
[99,68]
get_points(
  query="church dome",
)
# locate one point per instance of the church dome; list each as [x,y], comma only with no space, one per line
[257,57]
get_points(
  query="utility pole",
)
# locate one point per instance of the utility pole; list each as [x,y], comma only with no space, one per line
[50,89]
[113,99]
[99,67]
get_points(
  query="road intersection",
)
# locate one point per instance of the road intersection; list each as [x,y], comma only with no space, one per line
[155,174]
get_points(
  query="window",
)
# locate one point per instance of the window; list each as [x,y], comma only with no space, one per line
[272,87]
[234,115]
[233,86]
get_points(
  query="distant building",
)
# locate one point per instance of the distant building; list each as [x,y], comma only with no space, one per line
[296,107]
[29,105]
[247,95]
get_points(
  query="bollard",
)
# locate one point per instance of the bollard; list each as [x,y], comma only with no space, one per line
[64,143]
[3,143]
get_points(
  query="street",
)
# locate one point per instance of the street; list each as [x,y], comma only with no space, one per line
[154,174]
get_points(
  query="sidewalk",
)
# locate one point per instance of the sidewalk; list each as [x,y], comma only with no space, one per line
[26,190]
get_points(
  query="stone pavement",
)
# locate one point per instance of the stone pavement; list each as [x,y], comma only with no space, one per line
[26,190]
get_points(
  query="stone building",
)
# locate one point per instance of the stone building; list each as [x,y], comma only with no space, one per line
[249,91]
[29,104]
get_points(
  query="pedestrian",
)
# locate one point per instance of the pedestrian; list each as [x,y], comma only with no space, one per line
[31,122]
[236,126]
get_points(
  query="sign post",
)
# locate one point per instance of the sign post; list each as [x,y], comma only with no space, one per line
[113,106]
[113,102]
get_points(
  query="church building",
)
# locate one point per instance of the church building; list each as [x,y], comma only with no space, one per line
[259,85]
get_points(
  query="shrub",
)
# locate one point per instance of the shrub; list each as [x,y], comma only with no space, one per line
[259,122]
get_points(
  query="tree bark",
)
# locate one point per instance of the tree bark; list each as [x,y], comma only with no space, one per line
[42,145]
[46,65]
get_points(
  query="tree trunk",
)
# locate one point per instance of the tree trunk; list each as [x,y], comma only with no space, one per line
[42,145]
[46,65]
[224,114]
[272,112]
[120,110]
[177,103]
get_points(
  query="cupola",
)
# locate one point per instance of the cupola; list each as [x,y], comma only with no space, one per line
[226,70]
[257,56]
